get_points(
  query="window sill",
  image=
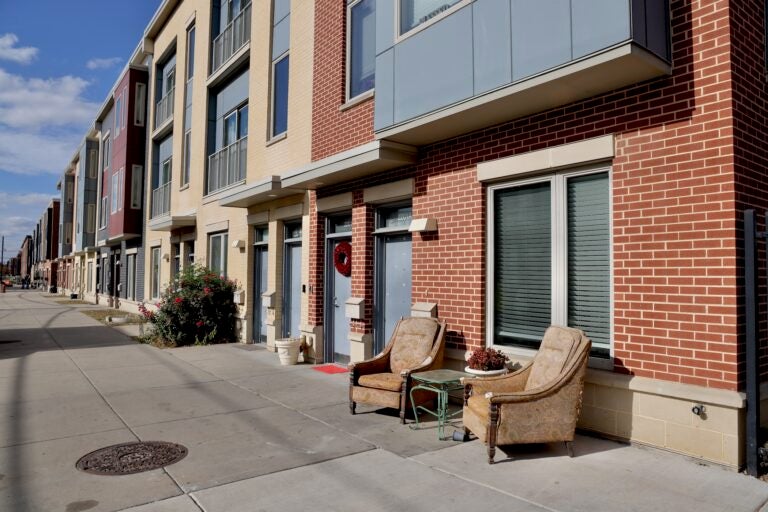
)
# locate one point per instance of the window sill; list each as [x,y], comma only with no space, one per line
[277,138]
[184,187]
[360,98]
[522,355]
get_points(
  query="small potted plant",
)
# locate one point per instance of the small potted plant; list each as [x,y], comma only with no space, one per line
[486,361]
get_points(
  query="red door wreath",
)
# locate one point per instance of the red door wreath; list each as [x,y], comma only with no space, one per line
[342,258]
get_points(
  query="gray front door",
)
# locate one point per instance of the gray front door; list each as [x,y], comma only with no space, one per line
[260,266]
[292,291]
[339,290]
[393,297]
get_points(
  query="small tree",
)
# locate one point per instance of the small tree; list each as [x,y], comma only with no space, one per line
[198,308]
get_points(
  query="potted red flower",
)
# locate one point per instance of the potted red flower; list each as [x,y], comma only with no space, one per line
[486,361]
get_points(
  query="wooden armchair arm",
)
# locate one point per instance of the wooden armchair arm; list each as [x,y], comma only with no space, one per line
[574,373]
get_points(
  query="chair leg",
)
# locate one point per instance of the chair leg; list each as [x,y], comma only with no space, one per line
[352,408]
[569,447]
[492,431]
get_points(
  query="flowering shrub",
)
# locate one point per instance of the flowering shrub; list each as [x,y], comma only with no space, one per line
[197,308]
[487,359]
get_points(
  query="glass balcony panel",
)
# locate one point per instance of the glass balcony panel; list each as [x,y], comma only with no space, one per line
[232,38]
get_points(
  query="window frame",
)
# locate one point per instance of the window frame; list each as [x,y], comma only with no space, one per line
[223,237]
[559,256]
[130,277]
[351,4]
[137,175]
[113,185]
[272,96]
[139,104]
[399,36]
[155,272]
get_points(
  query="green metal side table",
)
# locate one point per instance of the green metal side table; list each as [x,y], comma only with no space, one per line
[440,382]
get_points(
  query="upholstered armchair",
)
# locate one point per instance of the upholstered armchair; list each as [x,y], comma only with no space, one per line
[540,403]
[417,345]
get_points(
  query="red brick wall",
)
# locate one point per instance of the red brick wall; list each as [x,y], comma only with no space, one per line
[674,221]
[750,101]
[334,130]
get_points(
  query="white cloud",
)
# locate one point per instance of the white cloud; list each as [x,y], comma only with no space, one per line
[33,199]
[21,55]
[103,63]
[34,103]
[41,122]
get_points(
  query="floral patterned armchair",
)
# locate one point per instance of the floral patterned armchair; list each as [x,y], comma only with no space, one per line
[540,403]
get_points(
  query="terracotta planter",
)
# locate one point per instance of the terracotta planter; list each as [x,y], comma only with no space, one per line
[288,350]
[485,373]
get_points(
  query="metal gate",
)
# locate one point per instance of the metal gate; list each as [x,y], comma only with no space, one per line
[752,238]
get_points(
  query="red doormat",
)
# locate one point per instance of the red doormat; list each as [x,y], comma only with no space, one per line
[330,368]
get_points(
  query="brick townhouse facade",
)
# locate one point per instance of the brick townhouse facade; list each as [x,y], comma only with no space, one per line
[502,164]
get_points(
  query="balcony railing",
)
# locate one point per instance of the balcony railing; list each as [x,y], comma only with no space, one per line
[164,108]
[232,38]
[161,200]
[227,166]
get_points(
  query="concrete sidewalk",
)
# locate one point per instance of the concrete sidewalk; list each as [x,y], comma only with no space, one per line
[266,437]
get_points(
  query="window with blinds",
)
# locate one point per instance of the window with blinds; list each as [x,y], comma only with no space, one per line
[522,264]
[551,259]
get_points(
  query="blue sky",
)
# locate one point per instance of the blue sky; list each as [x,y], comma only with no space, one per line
[58,61]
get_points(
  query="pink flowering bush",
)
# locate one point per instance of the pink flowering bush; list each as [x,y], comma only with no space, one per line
[197,308]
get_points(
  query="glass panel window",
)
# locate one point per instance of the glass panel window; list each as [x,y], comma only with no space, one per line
[217,251]
[415,12]
[230,129]
[107,154]
[118,114]
[242,122]
[170,81]
[131,277]
[115,180]
[340,224]
[190,52]
[361,51]
[551,259]
[165,172]
[176,263]
[139,105]
[395,217]
[136,179]
[155,273]
[187,155]
[280,97]
[261,235]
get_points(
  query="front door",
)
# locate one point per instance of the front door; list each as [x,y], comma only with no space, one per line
[292,281]
[338,288]
[260,276]
[393,272]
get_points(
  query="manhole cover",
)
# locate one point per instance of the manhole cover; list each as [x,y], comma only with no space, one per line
[2,342]
[128,458]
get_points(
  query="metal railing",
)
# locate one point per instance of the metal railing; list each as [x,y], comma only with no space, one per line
[164,108]
[161,200]
[227,166]
[232,38]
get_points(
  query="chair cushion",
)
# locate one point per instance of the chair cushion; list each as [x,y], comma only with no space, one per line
[557,347]
[412,343]
[385,381]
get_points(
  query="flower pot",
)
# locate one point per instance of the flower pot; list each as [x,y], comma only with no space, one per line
[288,350]
[485,373]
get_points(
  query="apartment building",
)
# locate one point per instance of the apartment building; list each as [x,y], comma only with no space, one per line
[121,123]
[26,256]
[241,116]
[502,164]
[518,164]
[47,246]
